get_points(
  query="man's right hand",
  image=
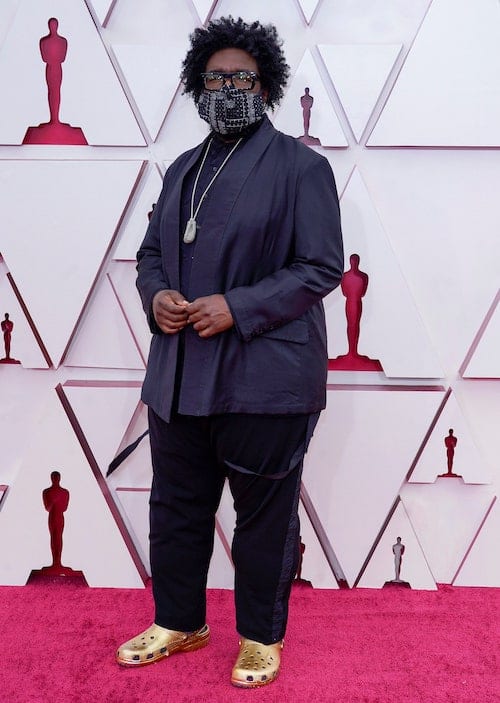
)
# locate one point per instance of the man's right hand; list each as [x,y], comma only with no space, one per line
[169,310]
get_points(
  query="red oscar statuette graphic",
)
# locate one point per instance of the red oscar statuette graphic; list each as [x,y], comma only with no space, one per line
[7,327]
[53,49]
[55,501]
[354,286]
[306,102]
[450,442]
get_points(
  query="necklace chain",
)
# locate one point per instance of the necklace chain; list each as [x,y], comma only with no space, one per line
[190,231]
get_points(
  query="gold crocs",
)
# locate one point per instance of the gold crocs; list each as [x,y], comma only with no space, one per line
[157,642]
[257,664]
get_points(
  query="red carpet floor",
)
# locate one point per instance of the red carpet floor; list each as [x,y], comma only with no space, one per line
[358,646]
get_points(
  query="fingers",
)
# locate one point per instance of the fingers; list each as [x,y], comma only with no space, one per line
[176,297]
[169,310]
[170,301]
[169,327]
[209,315]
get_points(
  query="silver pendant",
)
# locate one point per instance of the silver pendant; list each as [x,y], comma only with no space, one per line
[190,231]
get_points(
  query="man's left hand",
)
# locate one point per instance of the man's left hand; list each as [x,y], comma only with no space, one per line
[209,315]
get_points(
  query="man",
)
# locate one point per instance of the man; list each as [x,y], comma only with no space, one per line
[242,246]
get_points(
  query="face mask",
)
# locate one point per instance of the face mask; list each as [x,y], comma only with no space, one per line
[230,110]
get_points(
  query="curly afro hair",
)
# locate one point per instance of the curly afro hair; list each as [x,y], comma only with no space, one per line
[260,41]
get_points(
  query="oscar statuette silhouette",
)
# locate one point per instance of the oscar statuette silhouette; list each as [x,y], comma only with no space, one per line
[450,442]
[354,285]
[53,49]
[398,549]
[55,501]
[7,327]
[306,102]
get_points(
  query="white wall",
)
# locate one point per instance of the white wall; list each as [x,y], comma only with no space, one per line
[407,110]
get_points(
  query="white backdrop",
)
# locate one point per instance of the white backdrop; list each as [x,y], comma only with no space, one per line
[407,111]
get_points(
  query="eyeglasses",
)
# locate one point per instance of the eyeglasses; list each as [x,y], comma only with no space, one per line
[243,80]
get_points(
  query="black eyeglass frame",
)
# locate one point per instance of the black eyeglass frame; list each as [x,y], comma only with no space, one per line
[224,76]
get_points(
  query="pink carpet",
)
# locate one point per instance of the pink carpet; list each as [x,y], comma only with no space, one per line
[351,646]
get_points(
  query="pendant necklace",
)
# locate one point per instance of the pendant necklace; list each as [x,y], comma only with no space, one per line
[190,231]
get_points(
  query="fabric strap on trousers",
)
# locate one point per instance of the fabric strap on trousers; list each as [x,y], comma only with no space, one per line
[120,458]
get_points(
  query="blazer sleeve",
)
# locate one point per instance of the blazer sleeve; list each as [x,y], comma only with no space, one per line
[150,274]
[316,265]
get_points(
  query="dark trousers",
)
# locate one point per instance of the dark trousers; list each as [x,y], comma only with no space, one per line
[261,456]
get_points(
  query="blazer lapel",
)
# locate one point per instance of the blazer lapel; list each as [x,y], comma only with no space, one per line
[229,185]
[243,161]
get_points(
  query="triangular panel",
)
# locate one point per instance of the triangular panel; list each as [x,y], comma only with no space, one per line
[485,359]
[23,394]
[413,570]
[446,517]
[362,449]
[427,199]
[136,219]
[151,86]
[99,405]
[92,98]
[184,122]
[324,126]
[226,516]
[134,508]
[92,542]
[342,167]
[76,235]
[136,470]
[104,339]
[308,8]
[481,567]
[103,9]
[221,570]
[391,329]
[458,447]
[123,275]
[314,566]
[24,347]
[204,8]
[359,73]
[448,93]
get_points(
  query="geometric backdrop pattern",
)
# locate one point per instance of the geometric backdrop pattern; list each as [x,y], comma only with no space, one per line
[403,99]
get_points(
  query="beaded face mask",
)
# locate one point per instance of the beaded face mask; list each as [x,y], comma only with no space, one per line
[230,110]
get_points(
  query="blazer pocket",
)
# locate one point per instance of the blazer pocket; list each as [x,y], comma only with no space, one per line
[295,331]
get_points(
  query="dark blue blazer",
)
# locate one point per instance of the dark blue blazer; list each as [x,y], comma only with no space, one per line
[271,243]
